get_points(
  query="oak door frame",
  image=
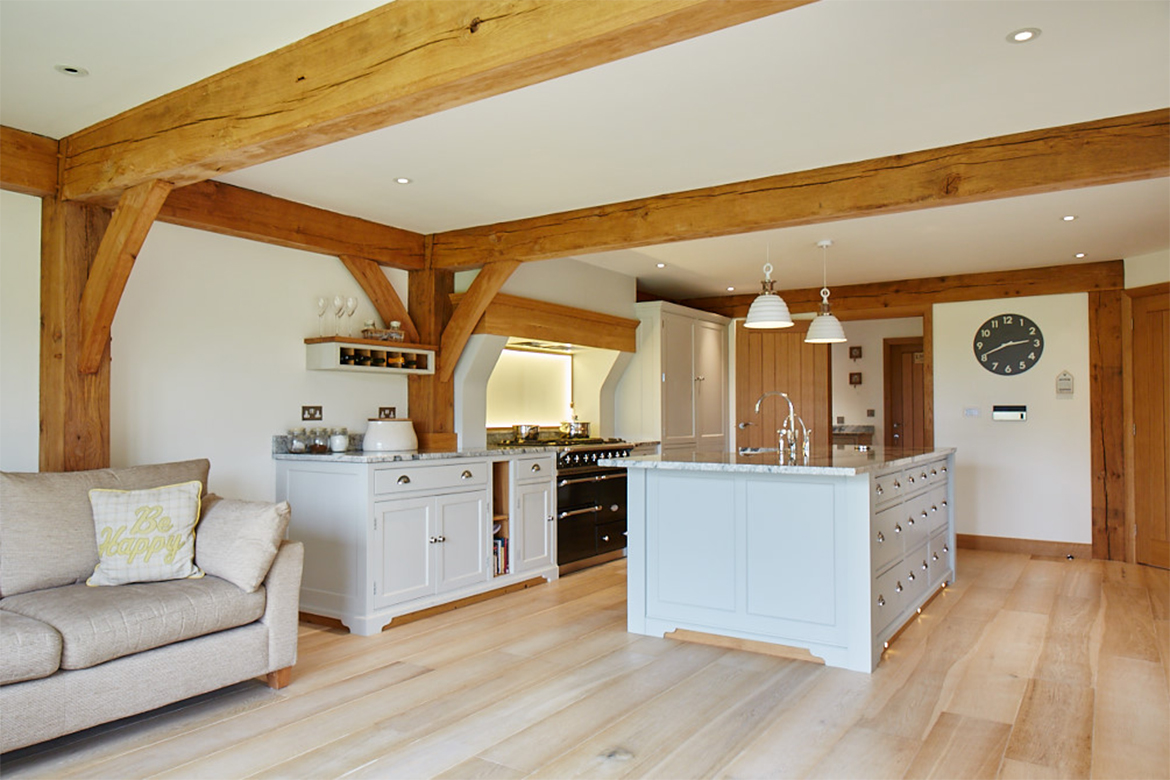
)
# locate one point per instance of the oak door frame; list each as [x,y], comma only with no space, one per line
[887,387]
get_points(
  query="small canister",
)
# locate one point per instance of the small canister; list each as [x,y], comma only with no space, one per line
[339,440]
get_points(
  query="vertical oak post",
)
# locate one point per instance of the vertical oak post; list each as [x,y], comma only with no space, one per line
[1106,414]
[75,407]
[432,401]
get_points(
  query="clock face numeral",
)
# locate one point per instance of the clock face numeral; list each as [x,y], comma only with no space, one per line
[1008,344]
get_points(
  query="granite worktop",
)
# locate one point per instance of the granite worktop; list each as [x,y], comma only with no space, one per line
[838,461]
[360,456]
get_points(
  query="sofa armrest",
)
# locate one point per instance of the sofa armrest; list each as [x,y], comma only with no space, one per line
[282,610]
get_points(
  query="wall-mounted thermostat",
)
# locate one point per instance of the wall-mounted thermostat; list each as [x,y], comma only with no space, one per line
[1010,413]
[1064,385]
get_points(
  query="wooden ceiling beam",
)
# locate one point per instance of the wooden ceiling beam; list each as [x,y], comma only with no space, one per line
[235,211]
[404,60]
[116,253]
[1106,151]
[30,163]
[381,293]
[907,297]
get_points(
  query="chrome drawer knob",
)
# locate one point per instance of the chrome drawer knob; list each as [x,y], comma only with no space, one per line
[923,475]
[925,566]
[934,556]
[897,528]
[923,514]
[897,484]
[404,480]
[912,577]
[946,549]
[898,586]
[879,490]
[881,601]
[881,537]
[911,479]
[933,508]
[934,472]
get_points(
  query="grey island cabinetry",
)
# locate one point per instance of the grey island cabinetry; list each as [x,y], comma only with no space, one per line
[386,535]
[834,556]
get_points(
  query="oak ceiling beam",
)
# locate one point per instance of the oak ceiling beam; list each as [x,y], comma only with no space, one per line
[402,61]
[511,315]
[381,293]
[1107,151]
[907,296]
[472,306]
[29,163]
[235,211]
[116,253]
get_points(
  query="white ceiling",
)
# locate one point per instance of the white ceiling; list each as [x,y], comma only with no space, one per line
[836,81]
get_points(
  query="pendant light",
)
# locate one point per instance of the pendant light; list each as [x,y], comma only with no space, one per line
[825,329]
[768,310]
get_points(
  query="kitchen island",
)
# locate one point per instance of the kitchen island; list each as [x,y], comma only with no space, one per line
[833,556]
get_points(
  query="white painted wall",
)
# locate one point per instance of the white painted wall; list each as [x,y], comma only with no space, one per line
[529,388]
[568,282]
[208,357]
[1153,268]
[20,340]
[1026,480]
[853,401]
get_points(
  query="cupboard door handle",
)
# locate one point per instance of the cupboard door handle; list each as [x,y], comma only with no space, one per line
[404,480]
[551,518]
[433,539]
[605,538]
[535,467]
[465,475]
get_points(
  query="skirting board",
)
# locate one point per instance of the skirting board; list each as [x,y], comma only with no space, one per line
[1024,546]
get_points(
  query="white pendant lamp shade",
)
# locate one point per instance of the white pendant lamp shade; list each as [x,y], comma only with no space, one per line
[825,328]
[768,310]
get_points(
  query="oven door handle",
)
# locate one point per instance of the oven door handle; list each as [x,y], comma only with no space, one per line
[575,512]
[603,477]
[578,481]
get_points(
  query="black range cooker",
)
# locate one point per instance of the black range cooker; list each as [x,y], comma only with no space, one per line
[591,502]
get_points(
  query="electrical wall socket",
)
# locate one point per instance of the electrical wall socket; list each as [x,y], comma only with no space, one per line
[311,413]
[387,413]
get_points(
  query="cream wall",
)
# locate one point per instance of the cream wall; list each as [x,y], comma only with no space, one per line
[1026,480]
[852,401]
[208,358]
[1147,269]
[530,388]
[20,316]
[568,282]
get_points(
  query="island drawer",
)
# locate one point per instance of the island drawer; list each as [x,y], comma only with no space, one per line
[915,522]
[886,538]
[938,555]
[448,476]
[916,568]
[938,507]
[886,598]
[886,488]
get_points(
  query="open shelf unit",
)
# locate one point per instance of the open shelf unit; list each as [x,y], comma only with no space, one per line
[501,502]
[335,353]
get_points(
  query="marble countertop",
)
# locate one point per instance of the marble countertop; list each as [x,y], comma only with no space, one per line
[359,456]
[844,461]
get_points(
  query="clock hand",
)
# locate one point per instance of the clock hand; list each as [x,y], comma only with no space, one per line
[1005,345]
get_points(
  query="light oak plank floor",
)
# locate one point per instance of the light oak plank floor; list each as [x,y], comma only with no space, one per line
[1023,668]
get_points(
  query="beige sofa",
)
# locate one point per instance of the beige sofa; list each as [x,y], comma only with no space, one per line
[73,656]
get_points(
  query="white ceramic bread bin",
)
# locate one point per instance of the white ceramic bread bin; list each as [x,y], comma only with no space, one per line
[390,436]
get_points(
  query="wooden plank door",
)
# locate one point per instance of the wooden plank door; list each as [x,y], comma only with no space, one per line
[1151,414]
[905,404]
[780,360]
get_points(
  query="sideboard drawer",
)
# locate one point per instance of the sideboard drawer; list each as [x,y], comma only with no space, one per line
[448,476]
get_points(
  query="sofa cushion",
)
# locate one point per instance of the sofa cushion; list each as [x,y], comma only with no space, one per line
[238,540]
[46,526]
[145,535]
[29,649]
[100,624]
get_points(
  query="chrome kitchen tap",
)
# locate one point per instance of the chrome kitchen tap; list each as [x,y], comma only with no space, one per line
[787,435]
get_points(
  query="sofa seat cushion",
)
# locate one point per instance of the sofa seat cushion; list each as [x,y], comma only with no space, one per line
[29,649]
[100,624]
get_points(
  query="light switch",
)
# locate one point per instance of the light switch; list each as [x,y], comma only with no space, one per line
[971,411]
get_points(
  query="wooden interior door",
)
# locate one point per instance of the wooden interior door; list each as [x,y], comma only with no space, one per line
[905,391]
[780,360]
[1151,415]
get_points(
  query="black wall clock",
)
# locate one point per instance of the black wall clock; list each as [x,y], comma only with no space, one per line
[1008,344]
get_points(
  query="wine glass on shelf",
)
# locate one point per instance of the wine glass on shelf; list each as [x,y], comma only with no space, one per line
[351,304]
[322,307]
[338,310]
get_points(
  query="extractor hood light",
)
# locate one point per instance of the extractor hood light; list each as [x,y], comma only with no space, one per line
[768,310]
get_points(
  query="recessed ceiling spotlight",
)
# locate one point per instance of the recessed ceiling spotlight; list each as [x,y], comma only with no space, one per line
[730,289]
[1023,35]
[402,180]
[1079,255]
[662,265]
[71,70]
[1069,217]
